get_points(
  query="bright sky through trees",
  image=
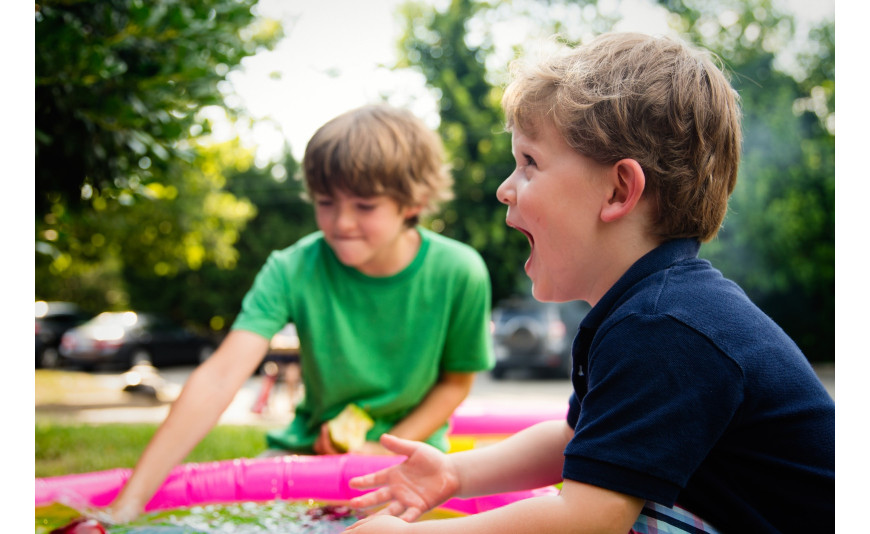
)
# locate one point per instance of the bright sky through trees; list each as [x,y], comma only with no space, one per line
[337,55]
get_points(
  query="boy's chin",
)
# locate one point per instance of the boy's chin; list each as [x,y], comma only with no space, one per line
[546,293]
[541,294]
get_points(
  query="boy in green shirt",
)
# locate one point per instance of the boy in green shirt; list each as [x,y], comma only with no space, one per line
[391,317]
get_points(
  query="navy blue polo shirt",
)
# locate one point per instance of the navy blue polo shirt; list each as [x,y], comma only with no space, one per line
[686,392]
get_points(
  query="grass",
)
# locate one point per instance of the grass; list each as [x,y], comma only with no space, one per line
[68,448]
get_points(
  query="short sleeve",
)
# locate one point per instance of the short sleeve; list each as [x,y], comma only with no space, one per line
[660,396]
[468,345]
[265,307]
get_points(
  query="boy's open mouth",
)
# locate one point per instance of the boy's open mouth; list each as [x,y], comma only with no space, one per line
[525,233]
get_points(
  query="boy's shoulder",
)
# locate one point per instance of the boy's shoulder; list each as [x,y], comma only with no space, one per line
[307,250]
[698,296]
[447,246]
[691,290]
[447,257]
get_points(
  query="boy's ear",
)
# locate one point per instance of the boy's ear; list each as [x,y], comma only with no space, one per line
[412,211]
[627,182]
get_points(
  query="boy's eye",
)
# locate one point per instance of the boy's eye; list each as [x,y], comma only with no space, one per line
[530,161]
[366,206]
[323,202]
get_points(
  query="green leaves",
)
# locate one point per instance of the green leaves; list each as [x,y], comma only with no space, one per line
[778,238]
[777,241]
[119,88]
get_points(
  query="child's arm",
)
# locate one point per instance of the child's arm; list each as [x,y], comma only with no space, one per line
[207,393]
[436,407]
[579,508]
[529,459]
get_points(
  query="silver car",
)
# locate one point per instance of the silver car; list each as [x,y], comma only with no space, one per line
[534,336]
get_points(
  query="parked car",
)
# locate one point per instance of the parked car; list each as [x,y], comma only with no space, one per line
[285,344]
[283,350]
[129,338]
[535,336]
[52,320]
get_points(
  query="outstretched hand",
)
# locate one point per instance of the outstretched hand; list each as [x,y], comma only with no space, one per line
[324,445]
[426,479]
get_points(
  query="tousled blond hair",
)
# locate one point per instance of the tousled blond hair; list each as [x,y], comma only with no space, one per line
[651,99]
[379,150]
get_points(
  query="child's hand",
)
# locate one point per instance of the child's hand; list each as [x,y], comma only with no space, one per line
[422,482]
[324,444]
[373,448]
[378,524]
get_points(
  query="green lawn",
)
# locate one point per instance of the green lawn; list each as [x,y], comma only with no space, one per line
[67,448]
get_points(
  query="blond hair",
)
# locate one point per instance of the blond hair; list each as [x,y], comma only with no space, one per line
[379,150]
[651,99]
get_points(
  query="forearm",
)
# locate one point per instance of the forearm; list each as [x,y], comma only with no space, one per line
[608,512]
[536,515]
[436,408]
[189,420]
[205,396]
[529,459]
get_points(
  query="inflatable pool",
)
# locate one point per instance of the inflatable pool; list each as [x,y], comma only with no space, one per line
[479,423]
[322,478]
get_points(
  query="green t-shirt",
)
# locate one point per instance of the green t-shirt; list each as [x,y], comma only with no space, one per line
[378,342]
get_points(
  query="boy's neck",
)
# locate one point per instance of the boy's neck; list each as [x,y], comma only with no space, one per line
[624,253]
[399,257]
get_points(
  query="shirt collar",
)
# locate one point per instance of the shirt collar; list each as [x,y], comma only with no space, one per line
[658,259]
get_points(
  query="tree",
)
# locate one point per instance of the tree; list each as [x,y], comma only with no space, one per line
[471,128]
[778,238]
[129,195]
[777,241]
[454,49]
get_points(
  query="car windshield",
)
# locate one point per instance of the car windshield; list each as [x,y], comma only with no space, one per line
[122,319]
[112,325]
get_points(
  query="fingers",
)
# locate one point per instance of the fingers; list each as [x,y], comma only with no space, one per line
[324,445]
[411,514]
[373,448]
[373,498]
[371,480]
[399,446]
[393,508]
[359,523]
[397,509]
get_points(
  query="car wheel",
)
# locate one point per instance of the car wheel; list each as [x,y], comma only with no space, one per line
[49,358]
[205,353]
[140,356]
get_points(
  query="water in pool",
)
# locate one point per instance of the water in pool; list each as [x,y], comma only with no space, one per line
[273,517]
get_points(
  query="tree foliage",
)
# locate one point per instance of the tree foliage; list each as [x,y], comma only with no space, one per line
[778,238]
[129,193]
[136,204]
[471,128]
[777,241]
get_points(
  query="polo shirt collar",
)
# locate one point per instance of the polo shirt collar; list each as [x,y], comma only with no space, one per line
[658,259]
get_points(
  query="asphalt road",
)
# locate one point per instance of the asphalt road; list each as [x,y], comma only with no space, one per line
[524,392]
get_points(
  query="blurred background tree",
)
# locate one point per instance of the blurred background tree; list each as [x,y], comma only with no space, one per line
[136,207]
[778,239]
[129,196]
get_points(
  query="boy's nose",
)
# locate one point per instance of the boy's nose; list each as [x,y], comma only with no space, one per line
[344,219]
[505,192]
